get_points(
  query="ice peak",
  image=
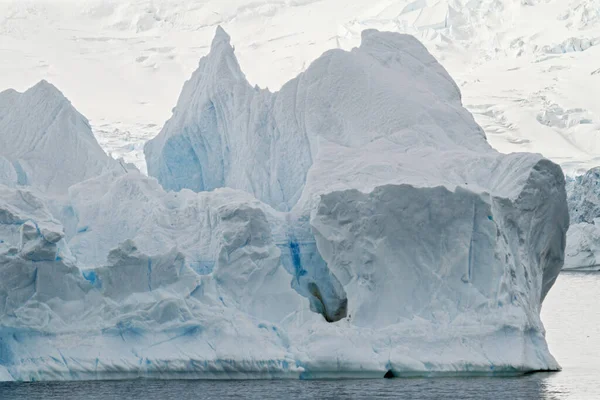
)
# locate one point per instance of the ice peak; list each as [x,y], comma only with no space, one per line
[221,61]
[221,38]
[45,85]
[45,90]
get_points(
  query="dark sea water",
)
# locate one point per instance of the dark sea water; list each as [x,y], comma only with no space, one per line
[571,315]
[529,387]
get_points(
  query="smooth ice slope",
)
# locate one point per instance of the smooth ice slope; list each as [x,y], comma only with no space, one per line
[402,243]
[49,144]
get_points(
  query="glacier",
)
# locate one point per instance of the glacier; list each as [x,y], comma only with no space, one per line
[355,223]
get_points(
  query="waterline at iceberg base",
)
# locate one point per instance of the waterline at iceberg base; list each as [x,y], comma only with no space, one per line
[354,224]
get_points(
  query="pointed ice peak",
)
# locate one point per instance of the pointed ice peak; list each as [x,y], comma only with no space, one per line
[44,83]
[221,37]
[45,89]
[220,67]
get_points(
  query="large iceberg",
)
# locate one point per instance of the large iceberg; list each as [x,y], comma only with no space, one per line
[354,224]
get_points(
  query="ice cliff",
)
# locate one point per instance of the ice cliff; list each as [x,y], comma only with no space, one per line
[354,224]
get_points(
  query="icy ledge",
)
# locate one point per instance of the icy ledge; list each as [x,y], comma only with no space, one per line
[358,225]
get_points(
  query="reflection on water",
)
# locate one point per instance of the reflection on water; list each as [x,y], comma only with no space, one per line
[529,387]
[571,314]
[572,320]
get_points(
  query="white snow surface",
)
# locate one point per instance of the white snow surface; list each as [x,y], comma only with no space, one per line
[360,223]
[528,70]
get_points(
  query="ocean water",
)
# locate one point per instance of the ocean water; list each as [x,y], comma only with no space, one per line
[571,315]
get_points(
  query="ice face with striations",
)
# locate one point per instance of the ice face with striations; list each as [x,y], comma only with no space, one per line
[34,126]
[224,132]
[354,224]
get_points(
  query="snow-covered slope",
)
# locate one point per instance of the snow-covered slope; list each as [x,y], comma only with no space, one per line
[40,134]
[403,243]
[528,70]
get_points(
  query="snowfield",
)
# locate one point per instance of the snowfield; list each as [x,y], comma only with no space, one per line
[355,223]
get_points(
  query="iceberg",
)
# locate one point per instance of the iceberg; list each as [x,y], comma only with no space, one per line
[584,197]
[583,238]
[354,224]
